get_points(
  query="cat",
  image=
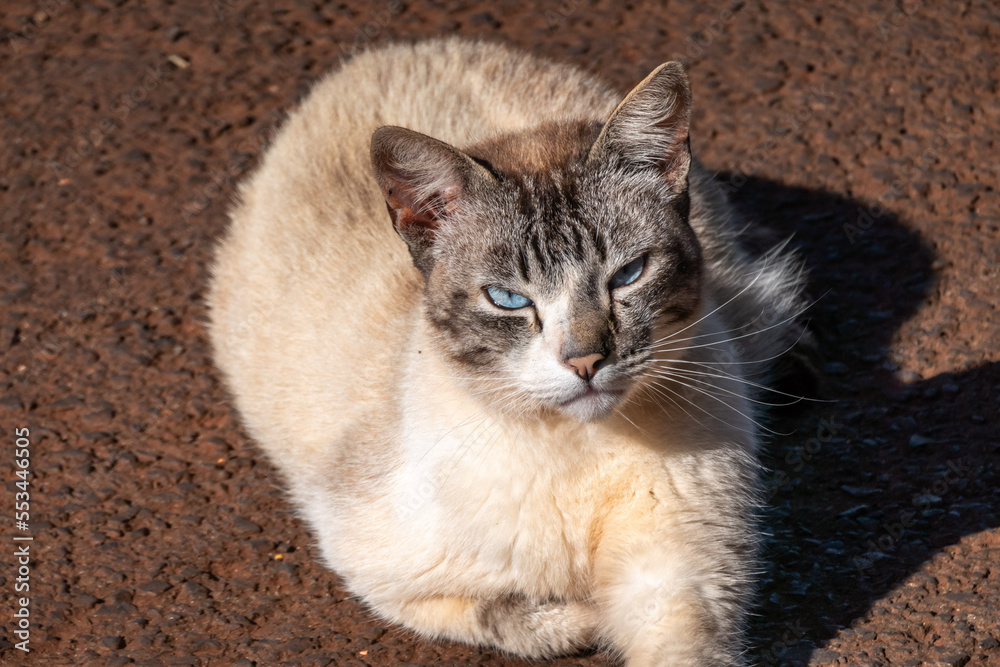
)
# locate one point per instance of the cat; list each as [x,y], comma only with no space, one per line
[495,328]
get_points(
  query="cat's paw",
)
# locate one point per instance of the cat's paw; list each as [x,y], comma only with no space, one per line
[537,629]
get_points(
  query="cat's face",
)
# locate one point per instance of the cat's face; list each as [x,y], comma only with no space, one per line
[556,289]
[556,258]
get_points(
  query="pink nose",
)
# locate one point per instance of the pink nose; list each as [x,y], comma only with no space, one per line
[586,366]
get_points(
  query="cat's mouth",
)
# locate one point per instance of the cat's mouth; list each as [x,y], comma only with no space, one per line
[591,391]
[592,402]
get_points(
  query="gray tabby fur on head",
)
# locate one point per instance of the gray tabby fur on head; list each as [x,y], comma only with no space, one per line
[552,214]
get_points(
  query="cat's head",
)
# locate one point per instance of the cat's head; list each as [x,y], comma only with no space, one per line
[553,258]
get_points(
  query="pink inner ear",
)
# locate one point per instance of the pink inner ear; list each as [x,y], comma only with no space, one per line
[410,211]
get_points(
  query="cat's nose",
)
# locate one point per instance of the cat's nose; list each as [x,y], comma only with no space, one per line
[586,366]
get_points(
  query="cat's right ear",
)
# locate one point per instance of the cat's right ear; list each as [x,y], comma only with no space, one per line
[424,182]
[649,129]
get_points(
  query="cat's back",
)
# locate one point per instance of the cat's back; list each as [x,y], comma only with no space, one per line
[314,204]
[457,91]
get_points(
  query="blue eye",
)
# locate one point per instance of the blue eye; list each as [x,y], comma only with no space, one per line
[628,274]
[506,299]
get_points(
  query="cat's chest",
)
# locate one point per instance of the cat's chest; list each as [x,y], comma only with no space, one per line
[496,502]
[489,474]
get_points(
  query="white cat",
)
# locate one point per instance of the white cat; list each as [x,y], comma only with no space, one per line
[515,410]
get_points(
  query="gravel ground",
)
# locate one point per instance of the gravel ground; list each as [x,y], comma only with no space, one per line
[162,538]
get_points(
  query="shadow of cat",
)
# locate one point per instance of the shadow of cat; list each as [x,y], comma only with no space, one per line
[891,471]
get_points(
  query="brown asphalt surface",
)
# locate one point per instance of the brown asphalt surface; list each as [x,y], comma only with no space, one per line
[867,130]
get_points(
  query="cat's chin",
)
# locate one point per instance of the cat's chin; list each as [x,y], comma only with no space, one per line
[592,404]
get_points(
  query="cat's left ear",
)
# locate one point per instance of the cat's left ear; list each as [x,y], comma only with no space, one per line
[649,129]
[424,182]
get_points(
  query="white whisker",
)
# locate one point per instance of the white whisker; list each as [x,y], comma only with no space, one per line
[671,338]
[655,386]
[729,340]
[726,404]
[710,414]
[668,374]
[749,361]
[731,299]
[729,376]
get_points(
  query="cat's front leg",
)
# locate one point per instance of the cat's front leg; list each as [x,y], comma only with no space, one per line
[514,623]
[668,604]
